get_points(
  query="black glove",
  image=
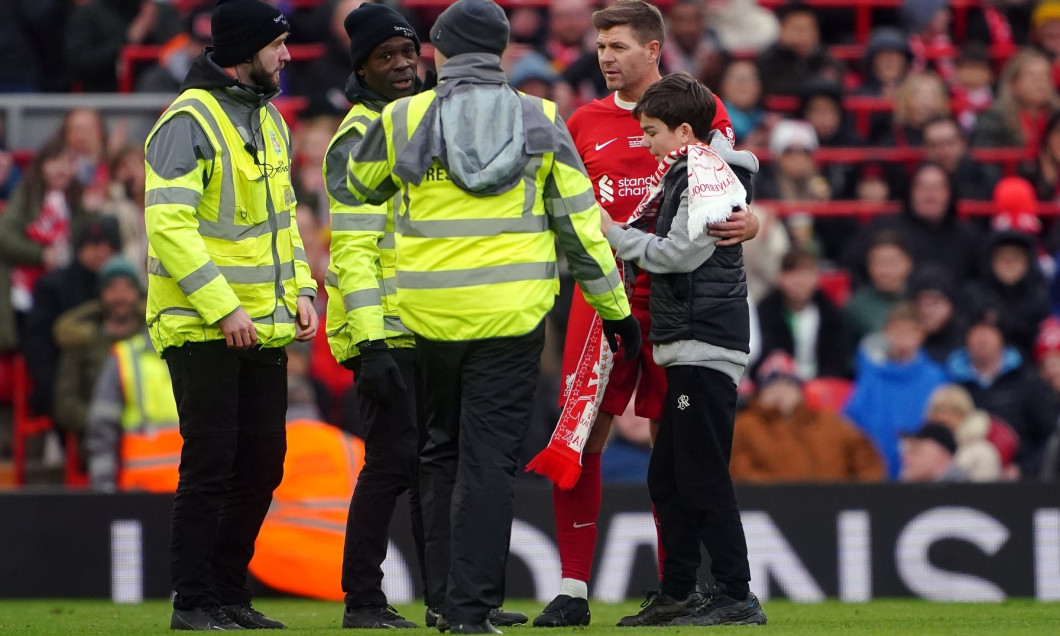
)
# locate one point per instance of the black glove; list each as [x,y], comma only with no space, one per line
[628,330]
[379,378]
[430,80]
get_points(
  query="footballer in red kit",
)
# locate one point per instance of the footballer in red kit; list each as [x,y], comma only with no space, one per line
[630,34]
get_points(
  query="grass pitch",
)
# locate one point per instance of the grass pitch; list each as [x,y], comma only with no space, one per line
[882,617]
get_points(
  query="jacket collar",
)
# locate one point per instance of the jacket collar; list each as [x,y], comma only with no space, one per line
[207,75]
[470,68]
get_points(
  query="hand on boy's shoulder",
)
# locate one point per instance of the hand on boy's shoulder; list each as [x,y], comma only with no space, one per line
[606,222]
[741,226]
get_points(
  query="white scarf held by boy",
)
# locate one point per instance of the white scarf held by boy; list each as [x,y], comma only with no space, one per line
[714,191]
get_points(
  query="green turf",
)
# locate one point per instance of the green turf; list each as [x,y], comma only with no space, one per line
[885,617]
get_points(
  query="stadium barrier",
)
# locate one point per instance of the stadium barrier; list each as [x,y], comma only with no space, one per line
[942,542]
[32,119]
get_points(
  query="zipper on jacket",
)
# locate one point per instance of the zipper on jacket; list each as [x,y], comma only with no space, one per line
[688,303]
[271,212]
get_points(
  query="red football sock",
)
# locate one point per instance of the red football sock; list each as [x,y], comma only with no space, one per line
[576,511]
[658,540]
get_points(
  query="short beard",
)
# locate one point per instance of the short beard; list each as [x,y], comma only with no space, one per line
[261,78]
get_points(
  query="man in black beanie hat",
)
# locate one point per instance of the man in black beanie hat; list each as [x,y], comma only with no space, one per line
[228,288]
[243,28]
[471,26]
[384,50]
[479,218]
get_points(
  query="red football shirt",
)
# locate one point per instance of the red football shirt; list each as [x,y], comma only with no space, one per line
[608,141]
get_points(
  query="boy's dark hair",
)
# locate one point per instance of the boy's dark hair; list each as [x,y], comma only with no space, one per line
[645,20]
[798,257]
[679,99]
[889,237]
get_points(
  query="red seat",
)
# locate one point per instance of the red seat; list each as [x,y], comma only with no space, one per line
[26,424]
[836,285]
[827,394]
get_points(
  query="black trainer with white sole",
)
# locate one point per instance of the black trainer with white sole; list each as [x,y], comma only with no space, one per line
[485,627]
[500,617]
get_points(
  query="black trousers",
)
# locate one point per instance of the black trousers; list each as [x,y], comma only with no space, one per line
[393,437]
[690,485]
[232,407]
[478,396]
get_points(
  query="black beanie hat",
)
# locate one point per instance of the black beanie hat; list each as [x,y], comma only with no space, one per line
[101,228]
[241,28]
[471,26]
[369,25]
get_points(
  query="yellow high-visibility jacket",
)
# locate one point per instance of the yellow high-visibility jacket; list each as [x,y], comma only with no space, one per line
[151,441]
[221,226]
[482,263]
[361,283]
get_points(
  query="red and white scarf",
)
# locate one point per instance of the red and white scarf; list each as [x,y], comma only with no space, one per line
[51,228]
[714,192]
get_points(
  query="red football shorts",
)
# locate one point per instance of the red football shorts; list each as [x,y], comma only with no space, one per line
[640,375]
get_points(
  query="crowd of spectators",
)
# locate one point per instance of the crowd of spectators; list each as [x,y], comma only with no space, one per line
[908,203]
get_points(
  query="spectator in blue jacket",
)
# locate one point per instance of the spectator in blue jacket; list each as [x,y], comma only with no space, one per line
[894,380]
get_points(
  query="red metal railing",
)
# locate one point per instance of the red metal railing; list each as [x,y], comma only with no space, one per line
[133,54]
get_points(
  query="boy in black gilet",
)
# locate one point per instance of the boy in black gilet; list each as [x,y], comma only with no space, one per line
[700,332]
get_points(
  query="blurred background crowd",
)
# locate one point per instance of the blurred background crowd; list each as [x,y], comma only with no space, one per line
[904,284]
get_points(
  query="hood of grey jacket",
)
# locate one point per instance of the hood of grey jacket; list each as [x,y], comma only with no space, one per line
[481,130]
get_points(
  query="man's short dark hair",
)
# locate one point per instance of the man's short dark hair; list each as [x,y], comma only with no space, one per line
[902,311]
[943,118]
[796,258]
[784,11]
[889,237]
[645,20]
[679,99]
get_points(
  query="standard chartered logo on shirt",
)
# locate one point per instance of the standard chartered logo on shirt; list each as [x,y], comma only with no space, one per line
[607,189]
[631,187]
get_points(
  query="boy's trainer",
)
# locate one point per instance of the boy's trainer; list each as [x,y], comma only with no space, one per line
[661,609]
[725,610]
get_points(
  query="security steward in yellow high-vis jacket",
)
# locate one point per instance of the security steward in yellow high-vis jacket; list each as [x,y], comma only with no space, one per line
[488,180]
[364,330]
[228,288]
